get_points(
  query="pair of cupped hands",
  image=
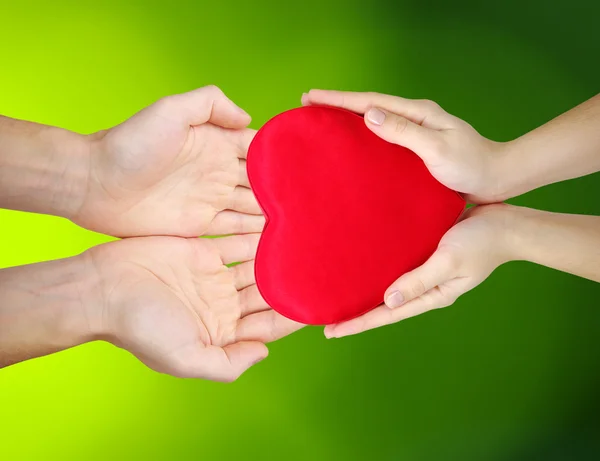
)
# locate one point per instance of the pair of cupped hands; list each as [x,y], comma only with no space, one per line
[177,170]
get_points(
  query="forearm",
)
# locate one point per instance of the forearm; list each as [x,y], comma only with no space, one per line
[566,242]
[564,148]
[42,169]
[45,308]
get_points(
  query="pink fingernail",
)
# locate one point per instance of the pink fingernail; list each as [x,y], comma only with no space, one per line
[395,299]
[376,116]
[304,99]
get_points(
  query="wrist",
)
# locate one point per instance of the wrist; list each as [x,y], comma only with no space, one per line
[517,169]
[42,169]
[46,308]
[73,158]
[504,171]
[517,228]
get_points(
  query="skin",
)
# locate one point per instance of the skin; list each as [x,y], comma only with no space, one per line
[483,171]
[172,302]
[176,168]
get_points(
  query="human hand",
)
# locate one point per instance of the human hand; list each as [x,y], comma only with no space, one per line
[176,168]
[453,151]
[465,257]
[174,304]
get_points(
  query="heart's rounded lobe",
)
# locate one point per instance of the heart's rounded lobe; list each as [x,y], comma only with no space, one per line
[347,214]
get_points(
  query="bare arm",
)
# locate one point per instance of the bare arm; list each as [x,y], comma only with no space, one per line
[42,169]
[565,148]
[567,242]
[42,309]
[460,158]
[488,236]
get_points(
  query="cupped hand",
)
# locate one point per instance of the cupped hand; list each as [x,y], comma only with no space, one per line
[176,168]
[174,304]
[465,257]
[453,151]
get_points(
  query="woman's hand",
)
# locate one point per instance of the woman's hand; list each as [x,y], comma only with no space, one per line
[455,154]
[466,256]
[486,237]
[483,171]
[176,168]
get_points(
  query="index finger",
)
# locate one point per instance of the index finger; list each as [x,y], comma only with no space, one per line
[418,111]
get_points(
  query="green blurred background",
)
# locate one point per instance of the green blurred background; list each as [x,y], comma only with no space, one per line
[510,372]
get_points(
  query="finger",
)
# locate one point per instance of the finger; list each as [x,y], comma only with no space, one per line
[400,130]
[419,111]
[266,326]
[243,275]
[237,248]
[251,301]
[206,104]
[439,268]
[211,362]
[231,222]
[228,363]
[243,174]
[243,200]
[382,315]
[244,138]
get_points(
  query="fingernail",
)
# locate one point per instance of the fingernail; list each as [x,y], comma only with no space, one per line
[395,299]
[376,116]
[304,99]
[329,334]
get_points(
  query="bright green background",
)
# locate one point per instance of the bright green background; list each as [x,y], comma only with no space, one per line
[510,372]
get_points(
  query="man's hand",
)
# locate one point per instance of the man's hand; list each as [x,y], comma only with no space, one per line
[174,304]
[170,301]
[176,168]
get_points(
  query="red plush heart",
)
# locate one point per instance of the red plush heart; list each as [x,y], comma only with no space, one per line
[347,213]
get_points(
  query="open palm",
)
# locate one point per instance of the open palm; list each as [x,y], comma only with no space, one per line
[175,168]
[174,304]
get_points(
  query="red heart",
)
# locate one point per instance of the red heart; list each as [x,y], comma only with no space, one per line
[347,213]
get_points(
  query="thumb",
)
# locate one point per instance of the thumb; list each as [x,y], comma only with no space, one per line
[206,104]
[439,268]
[400,130]
[238,357]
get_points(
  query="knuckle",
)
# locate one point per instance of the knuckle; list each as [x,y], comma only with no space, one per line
[212,89]
[448,301]
[429,104]
[417,289]
[449,262]
[400,125]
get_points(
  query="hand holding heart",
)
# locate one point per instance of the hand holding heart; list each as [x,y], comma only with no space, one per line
[465,257]
[454,153]
[484,172]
